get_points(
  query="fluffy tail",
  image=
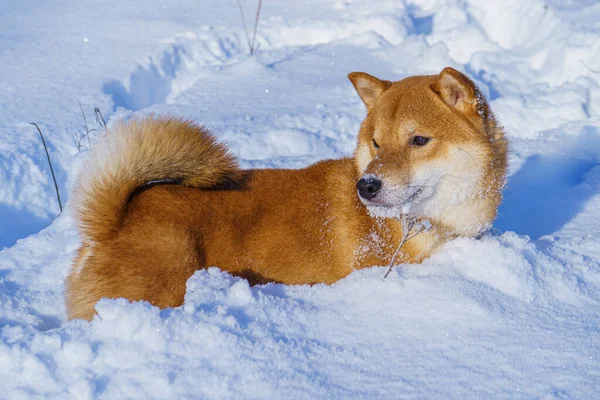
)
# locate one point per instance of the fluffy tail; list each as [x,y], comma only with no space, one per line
[142,150]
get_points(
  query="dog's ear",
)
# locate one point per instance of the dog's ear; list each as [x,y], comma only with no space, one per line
[368,87]
[457,91]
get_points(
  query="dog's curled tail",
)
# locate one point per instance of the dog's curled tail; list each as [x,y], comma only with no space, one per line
[139,151]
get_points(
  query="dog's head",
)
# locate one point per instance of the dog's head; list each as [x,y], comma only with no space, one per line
[430,147]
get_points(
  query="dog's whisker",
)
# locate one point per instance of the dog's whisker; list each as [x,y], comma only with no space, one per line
[470,156]
[457,177]
[448,180]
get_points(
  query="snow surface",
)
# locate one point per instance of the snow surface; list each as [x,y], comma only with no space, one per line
[515,314]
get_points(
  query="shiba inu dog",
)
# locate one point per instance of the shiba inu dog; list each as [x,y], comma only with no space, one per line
[159,198]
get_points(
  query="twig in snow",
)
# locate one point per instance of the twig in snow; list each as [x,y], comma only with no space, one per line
[244,24]
[255,27]
[99,118]
[49,163]
[410,229]
[251,43]
[595,71]
[87,130]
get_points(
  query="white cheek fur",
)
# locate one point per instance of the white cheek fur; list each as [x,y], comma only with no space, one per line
[453,180]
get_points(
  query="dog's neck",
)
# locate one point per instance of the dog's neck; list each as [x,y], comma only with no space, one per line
[469,220]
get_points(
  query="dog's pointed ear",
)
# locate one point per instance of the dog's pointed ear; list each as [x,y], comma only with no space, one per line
[368,87]
[457,91]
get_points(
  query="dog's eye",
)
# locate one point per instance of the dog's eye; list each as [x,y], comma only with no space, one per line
[420,141]
[375,144]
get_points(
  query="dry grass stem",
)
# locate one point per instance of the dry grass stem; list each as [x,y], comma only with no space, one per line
[410,228]
[50,164]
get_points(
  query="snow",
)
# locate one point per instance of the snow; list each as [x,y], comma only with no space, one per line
[514,314]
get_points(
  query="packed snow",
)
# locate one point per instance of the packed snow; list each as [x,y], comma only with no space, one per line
[514,314]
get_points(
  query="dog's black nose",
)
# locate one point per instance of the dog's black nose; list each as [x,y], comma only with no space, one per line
[368,188]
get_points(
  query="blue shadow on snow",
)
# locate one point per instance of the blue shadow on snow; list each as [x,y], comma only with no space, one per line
[16,224]
[548,190]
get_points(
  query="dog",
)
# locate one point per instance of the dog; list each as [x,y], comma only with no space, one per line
[159,198]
